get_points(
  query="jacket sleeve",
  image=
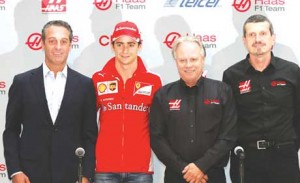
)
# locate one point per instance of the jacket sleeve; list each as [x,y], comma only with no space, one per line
[90,131]
[227,136]
[11,134]
[297,107]
[159,142]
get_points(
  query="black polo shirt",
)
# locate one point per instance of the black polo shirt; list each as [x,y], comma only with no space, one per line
[268,102]
[195,124]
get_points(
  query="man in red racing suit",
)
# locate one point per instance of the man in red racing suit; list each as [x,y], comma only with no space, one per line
[124,90]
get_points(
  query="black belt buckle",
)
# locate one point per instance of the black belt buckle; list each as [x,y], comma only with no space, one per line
[261,144]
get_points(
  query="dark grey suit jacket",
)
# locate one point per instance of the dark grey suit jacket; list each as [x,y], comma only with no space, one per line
[42,150]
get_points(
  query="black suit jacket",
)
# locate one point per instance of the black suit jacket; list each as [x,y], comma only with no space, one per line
[33,144]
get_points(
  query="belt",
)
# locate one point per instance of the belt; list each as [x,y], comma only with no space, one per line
[265,144]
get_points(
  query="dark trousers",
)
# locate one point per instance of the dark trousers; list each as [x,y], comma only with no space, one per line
[273,165]
[215,175]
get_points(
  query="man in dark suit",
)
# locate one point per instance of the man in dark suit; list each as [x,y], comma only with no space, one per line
[51,112]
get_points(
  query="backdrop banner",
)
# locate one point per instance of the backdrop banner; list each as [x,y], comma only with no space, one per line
[217,23]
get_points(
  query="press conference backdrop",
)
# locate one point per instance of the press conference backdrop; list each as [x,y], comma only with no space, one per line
[217,23]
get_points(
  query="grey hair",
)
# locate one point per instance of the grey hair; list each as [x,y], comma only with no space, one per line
[182,39]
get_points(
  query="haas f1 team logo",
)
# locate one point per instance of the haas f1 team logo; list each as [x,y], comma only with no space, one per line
[103,4]
[170,38]
[242,5]
[54,6]
[34,41]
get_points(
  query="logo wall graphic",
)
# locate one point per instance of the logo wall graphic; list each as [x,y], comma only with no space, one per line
[2,88]
[208,41]
[242,5]
[103,4]
[104,40]
[34,41]
[2,5]
[120,4]
[170,3]
[259,5]
[54,6]
[3,170]
[192,3]
[170,38]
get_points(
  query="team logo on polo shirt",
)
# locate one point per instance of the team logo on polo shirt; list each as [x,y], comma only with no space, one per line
[211,101]
[245,86]
[278,83]
[174,104]
[141,88]
[107,87]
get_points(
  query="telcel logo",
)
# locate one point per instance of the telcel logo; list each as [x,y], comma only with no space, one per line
[192,3]
[199,3]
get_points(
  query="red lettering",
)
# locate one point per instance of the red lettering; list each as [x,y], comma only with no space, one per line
[2,167]
[104,40]
[2,84]
[270,2]
[205,38]
[75,39]
[2,1]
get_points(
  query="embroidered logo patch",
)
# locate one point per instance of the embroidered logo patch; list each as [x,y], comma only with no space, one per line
[212,101]
[278,83]
[141,88]
[174,104]
[245,86]
[107,87]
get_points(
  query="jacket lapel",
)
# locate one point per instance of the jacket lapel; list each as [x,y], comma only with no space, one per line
[37,83]
[70,86]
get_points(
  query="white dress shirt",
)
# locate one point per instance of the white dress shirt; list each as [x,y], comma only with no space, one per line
[54,89]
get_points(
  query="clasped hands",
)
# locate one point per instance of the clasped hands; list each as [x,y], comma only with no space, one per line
[192,174]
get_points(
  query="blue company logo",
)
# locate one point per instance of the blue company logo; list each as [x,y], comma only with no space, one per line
[191,3]
[171,3]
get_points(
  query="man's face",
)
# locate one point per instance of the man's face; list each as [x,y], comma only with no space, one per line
[258,39]
[56,46]
[190,62]
[126,50]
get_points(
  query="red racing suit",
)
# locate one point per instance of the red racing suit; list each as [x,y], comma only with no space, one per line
[123,143]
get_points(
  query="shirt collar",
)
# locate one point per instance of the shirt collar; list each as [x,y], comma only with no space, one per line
[198,84]
[248,66]
[46,70]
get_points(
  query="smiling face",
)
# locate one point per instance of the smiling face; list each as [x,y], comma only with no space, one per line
[190,62]
[258,39]
[126,50]
[57,46]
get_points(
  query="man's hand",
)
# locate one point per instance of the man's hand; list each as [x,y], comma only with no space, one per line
[192,174]
[85,180]
[20,178]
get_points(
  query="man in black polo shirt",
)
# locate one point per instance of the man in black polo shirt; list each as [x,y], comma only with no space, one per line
[267,91]
[193,120]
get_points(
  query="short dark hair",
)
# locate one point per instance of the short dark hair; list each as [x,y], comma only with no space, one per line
[59,23]
[258,18]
